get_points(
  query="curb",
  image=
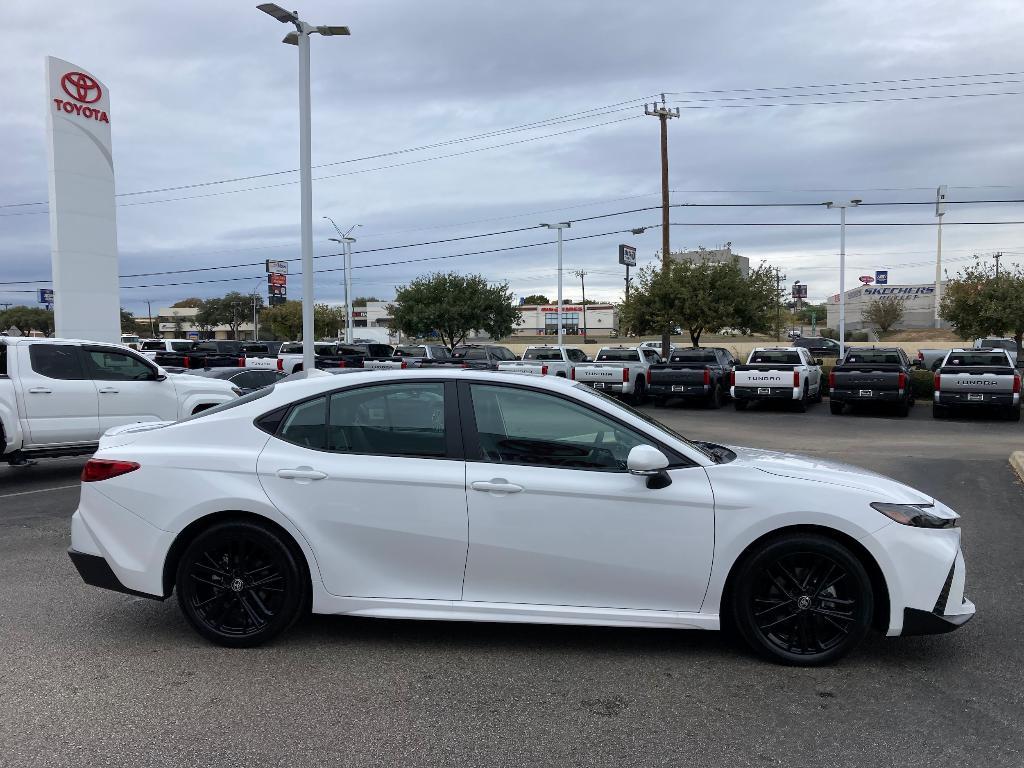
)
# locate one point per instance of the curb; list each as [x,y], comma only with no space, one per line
[1017,462]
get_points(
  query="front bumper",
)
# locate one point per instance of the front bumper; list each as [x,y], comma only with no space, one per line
[952,610]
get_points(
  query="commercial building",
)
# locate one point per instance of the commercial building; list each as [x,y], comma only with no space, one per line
[723,255]
[918,306]
[542,320]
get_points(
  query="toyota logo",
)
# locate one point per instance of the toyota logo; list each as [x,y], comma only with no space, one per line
[81,87]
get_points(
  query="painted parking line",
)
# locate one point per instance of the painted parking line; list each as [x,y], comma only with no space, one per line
[40,490]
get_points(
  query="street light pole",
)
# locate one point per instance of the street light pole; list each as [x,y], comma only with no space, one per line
[559,227]
[300,37]
[940,211]
[842,270]
[583,287]
[346,250]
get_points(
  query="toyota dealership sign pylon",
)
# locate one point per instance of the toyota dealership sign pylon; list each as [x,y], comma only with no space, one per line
[83,226]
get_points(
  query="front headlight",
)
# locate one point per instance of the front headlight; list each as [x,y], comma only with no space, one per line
[917,515]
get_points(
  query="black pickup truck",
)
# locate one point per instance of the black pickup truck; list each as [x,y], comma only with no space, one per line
[205,354]
[352,355]
[872,375]
[693,374]
[479,356]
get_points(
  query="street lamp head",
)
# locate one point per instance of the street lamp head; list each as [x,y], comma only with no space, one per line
[856,201]
[292,38]
[328,31]
[560,225]
[279,13]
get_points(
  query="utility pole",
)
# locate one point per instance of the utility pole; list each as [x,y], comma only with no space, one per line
[664,114]
[779,280]
[998,256]
[940,211]
[583,287]
[149,314]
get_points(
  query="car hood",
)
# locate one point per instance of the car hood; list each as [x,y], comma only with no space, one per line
[816,470]
[188,384]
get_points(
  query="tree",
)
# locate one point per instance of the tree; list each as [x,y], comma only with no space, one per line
[977,303]
[27,319]
[209,315]
[536,300]
[285,320]
[361,301]
[191,303]
[884,312]
[128,323]
[452,305]
[231,310]
[701,296]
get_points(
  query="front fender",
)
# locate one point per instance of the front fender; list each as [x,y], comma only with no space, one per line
[10,424]
[190,402]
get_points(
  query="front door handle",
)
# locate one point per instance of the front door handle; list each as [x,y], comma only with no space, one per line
[41,391]
[107,391]
[301,473]
[496,486]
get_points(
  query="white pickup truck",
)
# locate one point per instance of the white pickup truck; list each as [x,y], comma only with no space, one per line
[625,371]
[546,360]
[58,396]
[977,379]
[777,373]
[149,347]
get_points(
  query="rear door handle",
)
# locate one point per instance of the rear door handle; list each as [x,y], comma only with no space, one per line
[496,486]
[301,473]
[108,391]
[40,391]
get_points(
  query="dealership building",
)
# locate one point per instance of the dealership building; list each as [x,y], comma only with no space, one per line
[918,306]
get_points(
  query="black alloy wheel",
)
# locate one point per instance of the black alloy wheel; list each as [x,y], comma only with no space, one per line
[239,584]
[803,600]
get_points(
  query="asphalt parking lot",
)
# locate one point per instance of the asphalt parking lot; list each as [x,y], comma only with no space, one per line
[97,678]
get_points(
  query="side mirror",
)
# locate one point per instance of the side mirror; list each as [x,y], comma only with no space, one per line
[647,461]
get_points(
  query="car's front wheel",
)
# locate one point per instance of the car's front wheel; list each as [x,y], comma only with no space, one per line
[239,584]
[802,599]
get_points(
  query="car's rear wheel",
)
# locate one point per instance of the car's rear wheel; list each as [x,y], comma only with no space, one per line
[715,398]
[1013,414]
[835,408]
[239,584]
[639,391]
[802,599]
[801,405]
[740,405]
[940,411]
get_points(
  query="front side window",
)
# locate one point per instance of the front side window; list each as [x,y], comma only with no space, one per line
[56,361]
[522,426]
[390,420]
[107,365]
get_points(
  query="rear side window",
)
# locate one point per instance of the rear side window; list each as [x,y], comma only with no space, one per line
[306,424]
[56,361]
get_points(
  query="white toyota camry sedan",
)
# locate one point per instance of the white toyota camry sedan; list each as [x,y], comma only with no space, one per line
[476,496]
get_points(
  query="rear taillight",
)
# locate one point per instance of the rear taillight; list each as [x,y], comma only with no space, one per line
[241,362]
[832,380]
[937,381]
[625,375]
[185,362]
[280,364]
[1016,383]
[648,375]
[465,365]
[572,373]
[920,355]
[903,380]
[543,370]
[732,378]
[796,378]
[104,469]
[707,377]
[404,365]
[341,363]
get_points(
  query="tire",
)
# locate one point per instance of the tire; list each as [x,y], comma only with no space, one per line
[659,402]
[1013,414]
[740,405]
[818,397]
[800,406]
[802,599]
[903,409]
[940,411]
[836,409]
[251,579]
[715,398]
[639,391]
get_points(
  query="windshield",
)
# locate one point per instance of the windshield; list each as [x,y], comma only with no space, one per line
[618,356]
[998,344]
[694,356]
[646,419]
[770,356]
[231,404]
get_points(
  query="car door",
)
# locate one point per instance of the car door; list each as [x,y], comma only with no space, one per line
[556,519]
[374,477]
[128,387]
[60,400]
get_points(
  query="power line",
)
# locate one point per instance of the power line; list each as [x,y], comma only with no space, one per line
[848,101]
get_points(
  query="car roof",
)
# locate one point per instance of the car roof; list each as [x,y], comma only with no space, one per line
[19,340]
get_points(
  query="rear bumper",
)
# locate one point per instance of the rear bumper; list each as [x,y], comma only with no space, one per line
[667,389]
[607,386]
[772,393]
[96,572]
[876,396]
[991,400]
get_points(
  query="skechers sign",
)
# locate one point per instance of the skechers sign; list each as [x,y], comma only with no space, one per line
[911,292]
[85,90]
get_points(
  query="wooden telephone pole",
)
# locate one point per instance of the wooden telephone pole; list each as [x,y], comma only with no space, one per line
[664,114]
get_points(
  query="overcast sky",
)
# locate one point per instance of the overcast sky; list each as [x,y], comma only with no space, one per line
[203,92]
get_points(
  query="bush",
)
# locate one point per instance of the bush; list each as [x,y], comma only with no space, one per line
[829,333]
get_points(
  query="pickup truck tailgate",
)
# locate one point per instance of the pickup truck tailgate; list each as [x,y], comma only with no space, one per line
[965,380]
[600,373]
[868,378]
[762,376]
[530,369]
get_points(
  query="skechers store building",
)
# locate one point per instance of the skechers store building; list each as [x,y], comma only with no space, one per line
[918,306]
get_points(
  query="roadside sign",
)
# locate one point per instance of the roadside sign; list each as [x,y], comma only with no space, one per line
[45,296]
[800,291]
[277,267]
[881,277]
[627,255]
[277,279]
[192,335]
[940,200]
[866,279]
